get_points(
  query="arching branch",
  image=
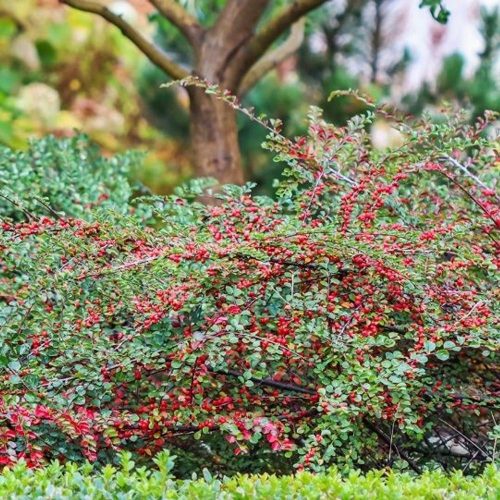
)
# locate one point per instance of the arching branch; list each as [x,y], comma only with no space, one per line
[278,25]
[151,51]
[274,57]
[180,18]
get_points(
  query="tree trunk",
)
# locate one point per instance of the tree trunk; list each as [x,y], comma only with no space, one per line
[214,138]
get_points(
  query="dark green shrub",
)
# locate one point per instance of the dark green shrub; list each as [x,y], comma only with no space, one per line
[68,176]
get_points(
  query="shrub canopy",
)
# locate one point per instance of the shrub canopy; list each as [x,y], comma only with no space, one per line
[348,321]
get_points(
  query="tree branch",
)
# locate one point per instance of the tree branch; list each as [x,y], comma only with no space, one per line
[271,59]
[153,53]
[268,382]
[382,435]
[278,25]
[179,17]
[232,31]
[376,41]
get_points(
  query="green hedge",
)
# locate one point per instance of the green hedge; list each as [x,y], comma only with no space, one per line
[68,176]
[128,482]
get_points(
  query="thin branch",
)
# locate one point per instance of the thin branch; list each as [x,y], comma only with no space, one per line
[273,260]
[282,347]
[48,207]
[151,51]
[275,57]
[494,455]
[267,382]
[481,450]
[472,458]
[382,435]
[28,214]
[473,308]
[466,171]
[474,199]
[122,267]
[390,444]
[180,18]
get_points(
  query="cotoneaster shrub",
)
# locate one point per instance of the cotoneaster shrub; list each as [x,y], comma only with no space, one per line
[349,321]
[70,481]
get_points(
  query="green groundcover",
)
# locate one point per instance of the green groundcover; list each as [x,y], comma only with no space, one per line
[71,481]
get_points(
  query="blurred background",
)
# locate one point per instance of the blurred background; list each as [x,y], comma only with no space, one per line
[62,70]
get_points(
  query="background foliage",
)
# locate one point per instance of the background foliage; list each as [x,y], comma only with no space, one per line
[48,84]
[66,176]
[48,53]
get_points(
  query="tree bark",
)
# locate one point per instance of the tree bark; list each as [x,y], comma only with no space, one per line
[214,132]
[214,138]
[224,53]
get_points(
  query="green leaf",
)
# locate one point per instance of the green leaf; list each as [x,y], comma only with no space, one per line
[14,365]
[429,346]
[442,355]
